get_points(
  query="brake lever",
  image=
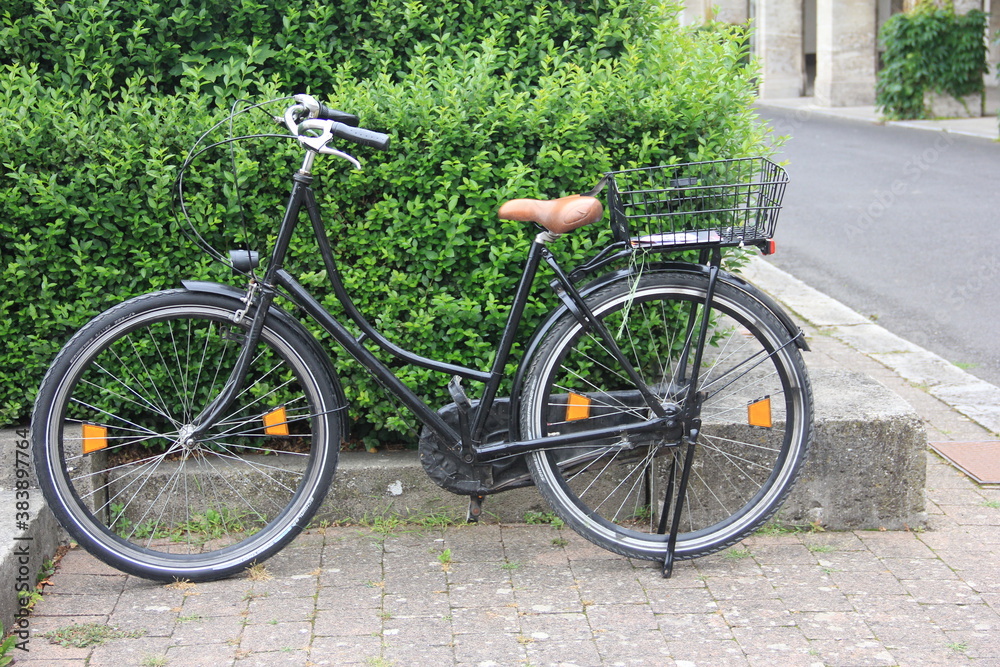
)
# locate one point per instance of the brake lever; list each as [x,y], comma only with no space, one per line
[319,143]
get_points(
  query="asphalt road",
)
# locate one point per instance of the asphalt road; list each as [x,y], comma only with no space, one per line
[900,224]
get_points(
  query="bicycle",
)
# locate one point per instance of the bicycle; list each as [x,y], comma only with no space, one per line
[193,432]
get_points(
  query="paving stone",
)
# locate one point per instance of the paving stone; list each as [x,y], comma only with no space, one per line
[973,515]
[359,650]
[598,582]
[866,583]
[850,653]
[214,655]
[975,644]
[89,584]
[677,626]
[941,591]
[808,596]
[485,620]
[478,596]
[343,623]
[896,545]
[749,612]
[503,648]
[973,617]
[274,659]
[423,630]
[774,645]
[363,596]
[416,653]
[715,652]
[620,618]
[638,648]
[264,637]
[736,588]
[683,601]
[835,625]
[568,653]
[198,630]
[129,652]
[265,610]
[55,604]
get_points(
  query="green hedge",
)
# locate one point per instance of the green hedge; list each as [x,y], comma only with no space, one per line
[485,101]
[930,49]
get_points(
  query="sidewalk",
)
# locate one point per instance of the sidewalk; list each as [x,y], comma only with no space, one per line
[519,595]
[986,127]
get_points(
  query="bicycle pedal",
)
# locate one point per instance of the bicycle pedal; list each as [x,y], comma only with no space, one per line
[458,394]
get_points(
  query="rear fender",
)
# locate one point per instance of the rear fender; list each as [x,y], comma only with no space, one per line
[628,272]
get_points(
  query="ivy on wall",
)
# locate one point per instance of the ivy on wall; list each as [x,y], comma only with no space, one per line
[930,49]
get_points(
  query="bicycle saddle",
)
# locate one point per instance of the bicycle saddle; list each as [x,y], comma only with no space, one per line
[556,215]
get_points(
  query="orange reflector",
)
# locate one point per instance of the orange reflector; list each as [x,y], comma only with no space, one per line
[94,438]
[578,407]
[759,413]
[276,422]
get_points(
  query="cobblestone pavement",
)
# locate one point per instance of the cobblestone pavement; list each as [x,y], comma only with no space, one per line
[519,595]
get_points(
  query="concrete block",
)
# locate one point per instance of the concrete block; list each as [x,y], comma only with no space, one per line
[24,545]
[867,466]
[946,106]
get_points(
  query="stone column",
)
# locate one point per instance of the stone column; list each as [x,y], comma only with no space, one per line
[779,48]
[727,11]
[845,52]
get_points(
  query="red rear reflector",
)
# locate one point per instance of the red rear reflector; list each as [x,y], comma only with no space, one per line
[95,438]
[759,413]
[578,407]
[770,248]
[276,422]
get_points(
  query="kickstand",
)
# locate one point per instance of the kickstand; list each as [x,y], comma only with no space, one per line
[668,559]
[475,509]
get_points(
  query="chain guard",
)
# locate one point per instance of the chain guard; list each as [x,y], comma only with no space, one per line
[446,467]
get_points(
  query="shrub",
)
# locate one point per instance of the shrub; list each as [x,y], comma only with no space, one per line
[930,49]
[540,106]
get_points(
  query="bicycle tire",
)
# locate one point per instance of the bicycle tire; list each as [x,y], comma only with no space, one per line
[127,488]
[741,472]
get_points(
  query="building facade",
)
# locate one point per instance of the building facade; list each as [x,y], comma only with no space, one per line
[827,49]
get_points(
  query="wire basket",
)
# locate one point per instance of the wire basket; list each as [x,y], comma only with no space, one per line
[717,203]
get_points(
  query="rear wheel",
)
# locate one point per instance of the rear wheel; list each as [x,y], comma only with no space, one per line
[110,435]
[756,414]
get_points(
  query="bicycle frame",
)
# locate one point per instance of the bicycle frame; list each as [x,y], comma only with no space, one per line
[261,294]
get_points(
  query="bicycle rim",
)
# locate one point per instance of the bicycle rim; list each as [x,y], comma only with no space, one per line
[756,415]
[121,474]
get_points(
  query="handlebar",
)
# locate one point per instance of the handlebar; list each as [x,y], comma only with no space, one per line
[309,114]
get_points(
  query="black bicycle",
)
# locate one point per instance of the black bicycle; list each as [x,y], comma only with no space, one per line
[663,409]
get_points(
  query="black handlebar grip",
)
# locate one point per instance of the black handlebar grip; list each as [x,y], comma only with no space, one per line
[327,113]
[361,136]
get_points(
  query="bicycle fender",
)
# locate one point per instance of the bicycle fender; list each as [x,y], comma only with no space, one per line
[659,267]
[286,318]
[732,280]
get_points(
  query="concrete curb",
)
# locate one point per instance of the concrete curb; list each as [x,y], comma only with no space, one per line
[976,399]
[29,533]
[986,127]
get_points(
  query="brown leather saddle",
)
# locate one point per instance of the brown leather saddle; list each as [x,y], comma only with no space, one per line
[556,215]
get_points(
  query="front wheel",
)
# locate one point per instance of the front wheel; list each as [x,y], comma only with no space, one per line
[111,425]
[756,415]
